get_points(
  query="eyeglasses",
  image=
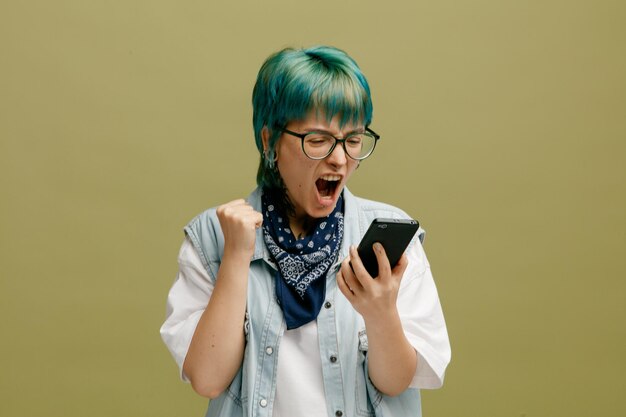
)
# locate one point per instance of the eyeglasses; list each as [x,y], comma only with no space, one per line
[318,145]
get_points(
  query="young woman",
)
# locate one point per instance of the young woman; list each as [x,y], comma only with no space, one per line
[267,317]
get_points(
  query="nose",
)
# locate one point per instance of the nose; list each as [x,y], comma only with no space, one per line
[338,156]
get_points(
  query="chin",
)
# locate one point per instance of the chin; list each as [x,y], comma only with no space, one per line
[323,211]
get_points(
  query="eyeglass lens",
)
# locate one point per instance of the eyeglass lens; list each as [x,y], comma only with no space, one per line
[319,145]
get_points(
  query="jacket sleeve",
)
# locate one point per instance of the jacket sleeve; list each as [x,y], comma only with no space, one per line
[422,320]
[186,302]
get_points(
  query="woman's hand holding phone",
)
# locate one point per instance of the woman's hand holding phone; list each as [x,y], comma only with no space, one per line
[373,260]
[371,297]
[392,359]
[394,234]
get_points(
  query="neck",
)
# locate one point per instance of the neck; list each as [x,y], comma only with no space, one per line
[301,225]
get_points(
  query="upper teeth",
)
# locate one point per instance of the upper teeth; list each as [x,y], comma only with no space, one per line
[330,177]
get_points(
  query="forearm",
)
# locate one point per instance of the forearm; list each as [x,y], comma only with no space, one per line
[216,350]
[391,358]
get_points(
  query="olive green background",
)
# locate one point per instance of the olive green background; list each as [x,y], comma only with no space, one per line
[503,131]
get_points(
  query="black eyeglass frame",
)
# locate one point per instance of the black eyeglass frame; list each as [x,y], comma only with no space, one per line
[332,148]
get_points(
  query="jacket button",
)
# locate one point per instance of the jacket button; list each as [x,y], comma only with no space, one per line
[328,304]
[263,403]
[269,350]
[333,358]
[338,413]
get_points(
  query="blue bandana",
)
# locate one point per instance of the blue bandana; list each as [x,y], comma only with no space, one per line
[302,263]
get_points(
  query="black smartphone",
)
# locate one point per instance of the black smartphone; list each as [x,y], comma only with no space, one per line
[394,234]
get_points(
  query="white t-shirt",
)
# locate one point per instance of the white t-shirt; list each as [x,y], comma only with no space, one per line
[299,383]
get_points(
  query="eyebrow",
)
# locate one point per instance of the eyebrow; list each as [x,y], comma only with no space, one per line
[332,134]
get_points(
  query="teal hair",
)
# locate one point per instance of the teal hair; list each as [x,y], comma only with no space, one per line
[292,83]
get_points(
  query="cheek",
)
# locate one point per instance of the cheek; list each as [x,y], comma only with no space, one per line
[352,167]
[296,172]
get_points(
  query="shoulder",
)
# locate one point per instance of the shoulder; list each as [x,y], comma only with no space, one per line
[205,224]
[367,210]
[370,209]
[371,206]
[205,232]
[207,218]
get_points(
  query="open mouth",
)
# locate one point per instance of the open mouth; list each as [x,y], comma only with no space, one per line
[327,184]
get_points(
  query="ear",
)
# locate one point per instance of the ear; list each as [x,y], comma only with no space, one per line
[265,138]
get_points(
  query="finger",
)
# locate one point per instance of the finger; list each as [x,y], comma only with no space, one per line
[343,286]
[231,212]
[349,277]
[241,209]
[360,272]
[249,216]
[384,269]
[258,217]
[230,207]
[401,266]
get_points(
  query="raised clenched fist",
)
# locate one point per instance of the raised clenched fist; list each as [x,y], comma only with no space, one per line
[239,222]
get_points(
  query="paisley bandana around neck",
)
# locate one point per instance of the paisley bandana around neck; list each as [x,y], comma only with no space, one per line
[302,263]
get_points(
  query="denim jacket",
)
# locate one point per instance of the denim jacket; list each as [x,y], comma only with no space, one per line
[341,330]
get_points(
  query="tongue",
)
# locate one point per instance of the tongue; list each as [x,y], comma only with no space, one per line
[324,187]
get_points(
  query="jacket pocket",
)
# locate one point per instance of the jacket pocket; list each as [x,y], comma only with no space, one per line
[367,397]
[234,389]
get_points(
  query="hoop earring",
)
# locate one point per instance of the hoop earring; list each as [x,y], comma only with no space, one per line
[271,163]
